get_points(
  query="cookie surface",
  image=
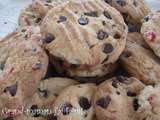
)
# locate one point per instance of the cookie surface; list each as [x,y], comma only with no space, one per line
[87,38]
[23,64]
[74,103]
[49,89]
[133,11]
[141,63]
[114,98]
[151,31]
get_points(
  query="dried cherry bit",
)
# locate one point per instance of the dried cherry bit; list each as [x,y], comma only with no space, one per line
[84,103]
[66,108]
[62,19]
[52,117]
[108,48]
[151,36]
[48,38]
[121,2]
[104,102]
[101,35]
[83,21]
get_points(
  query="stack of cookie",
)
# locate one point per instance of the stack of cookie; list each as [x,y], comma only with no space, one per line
[82,60]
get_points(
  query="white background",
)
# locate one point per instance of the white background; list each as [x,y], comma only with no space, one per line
[9,12]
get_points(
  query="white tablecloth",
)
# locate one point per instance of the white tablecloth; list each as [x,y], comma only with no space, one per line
[9,12]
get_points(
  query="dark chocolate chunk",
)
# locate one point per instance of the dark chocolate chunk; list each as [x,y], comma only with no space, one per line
[52,117]
[131,94]
[62,19]
[84,103]
[66,108]
[135,104]
[91,14]
[108,48]
[108,1]
[12,89]
[34,109]
[104,102]
[107,15]
[121,2]
[49,38]
[83,20]
[101,35]
[38,20]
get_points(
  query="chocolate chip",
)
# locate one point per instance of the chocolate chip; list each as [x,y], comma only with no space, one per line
[135,3]
[131,94]
[127,54]
[66,108]
[23,30]
[117,36]
[49,1]
[37,65]
[115,83]
[91,14]
[108,1]
[38,20]
[146,18]
[103,23]
[135,104]
[108,48]
[104,102]
[34,109]
[52,117]
[62,19]
[49,38]
[44,92]
[107,15]
[83,21]
[84,103]
[101,35]
[118,93]
[12,89]
[121,2]
[2,65]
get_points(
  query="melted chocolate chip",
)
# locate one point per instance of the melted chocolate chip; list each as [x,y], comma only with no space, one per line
[135,104]
[131,94]
[84,103]
[107,15]
[103,23]
[52,117]
[117,36]
[101,35]
[44,92]
[12,89]
[115,83]
[62,19]
[121,2]
[38,20]
[37,65]
[83,21]
[66,108]
[108,48]
[34,109]
[49,38]
[91,14]
[104,102]
[108,1]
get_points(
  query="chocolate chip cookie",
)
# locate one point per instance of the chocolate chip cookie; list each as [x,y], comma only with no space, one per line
[84,38]
[29,17]
[114,98]
[23,64]
[49,89]
[141,63]
[151,31]
[148,102]
[132,10]
[74,103]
